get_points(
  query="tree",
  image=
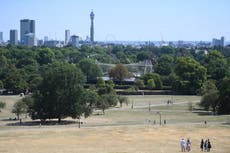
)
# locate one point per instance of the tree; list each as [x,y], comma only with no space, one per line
[122,100]
[139,83]
[151,84]
[155,77]
[100,83]
[224,99]
[2,105]
[106,101]
[119,73]
[216,65]
[20,107]
[210,100]
[190,75]
[90,69]
[164,65]
[60,94]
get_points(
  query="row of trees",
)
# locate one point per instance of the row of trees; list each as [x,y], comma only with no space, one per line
[61,94]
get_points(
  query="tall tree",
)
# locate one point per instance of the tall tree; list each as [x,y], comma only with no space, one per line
[190,75]
[224,99]
[60,94]
[90,69]
[119,73]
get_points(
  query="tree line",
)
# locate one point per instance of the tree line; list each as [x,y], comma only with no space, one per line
[56,76]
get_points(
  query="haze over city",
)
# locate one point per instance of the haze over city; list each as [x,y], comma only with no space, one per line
[121,20]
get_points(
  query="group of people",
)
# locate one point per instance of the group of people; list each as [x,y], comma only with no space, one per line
[205,145]
[185,145]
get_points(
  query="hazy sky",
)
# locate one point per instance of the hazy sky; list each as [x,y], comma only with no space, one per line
[138,20]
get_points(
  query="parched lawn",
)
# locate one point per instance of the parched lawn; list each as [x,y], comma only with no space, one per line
[120,130]
[120,139]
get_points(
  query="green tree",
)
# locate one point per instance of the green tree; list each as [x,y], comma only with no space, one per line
[139,83]
[90,69]
[216,65]
[60,94]
[100,83]
[156,78]
[119,73]
[123,99]
[151,84]
[20,107]
[190,75]
[2,105]
[224,99]
[106,101]
[164,65]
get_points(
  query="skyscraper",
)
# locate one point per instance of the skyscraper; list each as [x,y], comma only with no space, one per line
[14,37]
[67,37]
[1,37]
[92,27]
[26,26]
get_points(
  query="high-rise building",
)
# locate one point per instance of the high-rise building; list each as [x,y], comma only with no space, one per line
[26,26]
[67,37]
[1,37]
[75,41]
[14,37]
[218,42]
[92,27]
[30,40]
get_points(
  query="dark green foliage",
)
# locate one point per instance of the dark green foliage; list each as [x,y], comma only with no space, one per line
[60,93]
[164,65]
[2,105]
[90,69]
[156,79]
[224,99]
[216,65]
[190,75]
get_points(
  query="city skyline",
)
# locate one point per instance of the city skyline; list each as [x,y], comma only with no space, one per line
[123,21]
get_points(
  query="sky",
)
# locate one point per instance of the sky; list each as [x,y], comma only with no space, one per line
[121,20]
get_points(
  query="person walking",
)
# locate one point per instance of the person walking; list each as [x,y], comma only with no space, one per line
[183,145]
[188,145]
[206,145]
[202,145]
[209,146]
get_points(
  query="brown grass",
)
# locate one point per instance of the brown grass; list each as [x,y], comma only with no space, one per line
[121,139]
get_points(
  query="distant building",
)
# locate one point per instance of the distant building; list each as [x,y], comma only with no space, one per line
[46,38]
[218,42]
[67,37]
[75,41]
[1,37]
[14,37]
[40,43]
[53,43]
[30,40]
[92,27]
[26,26]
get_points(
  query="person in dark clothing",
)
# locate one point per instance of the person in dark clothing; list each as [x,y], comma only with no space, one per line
[209,146]
[202,145]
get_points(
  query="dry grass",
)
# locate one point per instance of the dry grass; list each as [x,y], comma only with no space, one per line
[122,139]
[129,132]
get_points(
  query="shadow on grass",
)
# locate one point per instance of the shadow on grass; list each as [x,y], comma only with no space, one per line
[226,123]
[38,123]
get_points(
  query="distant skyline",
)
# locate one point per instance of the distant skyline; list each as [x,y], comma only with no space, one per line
[121,20]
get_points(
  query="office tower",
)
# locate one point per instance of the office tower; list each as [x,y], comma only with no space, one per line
[30,40]
[218,42]
[1,37]
[67,37]
[92,27]
[46,38]
[14,37]
[75,41]
[26,26]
